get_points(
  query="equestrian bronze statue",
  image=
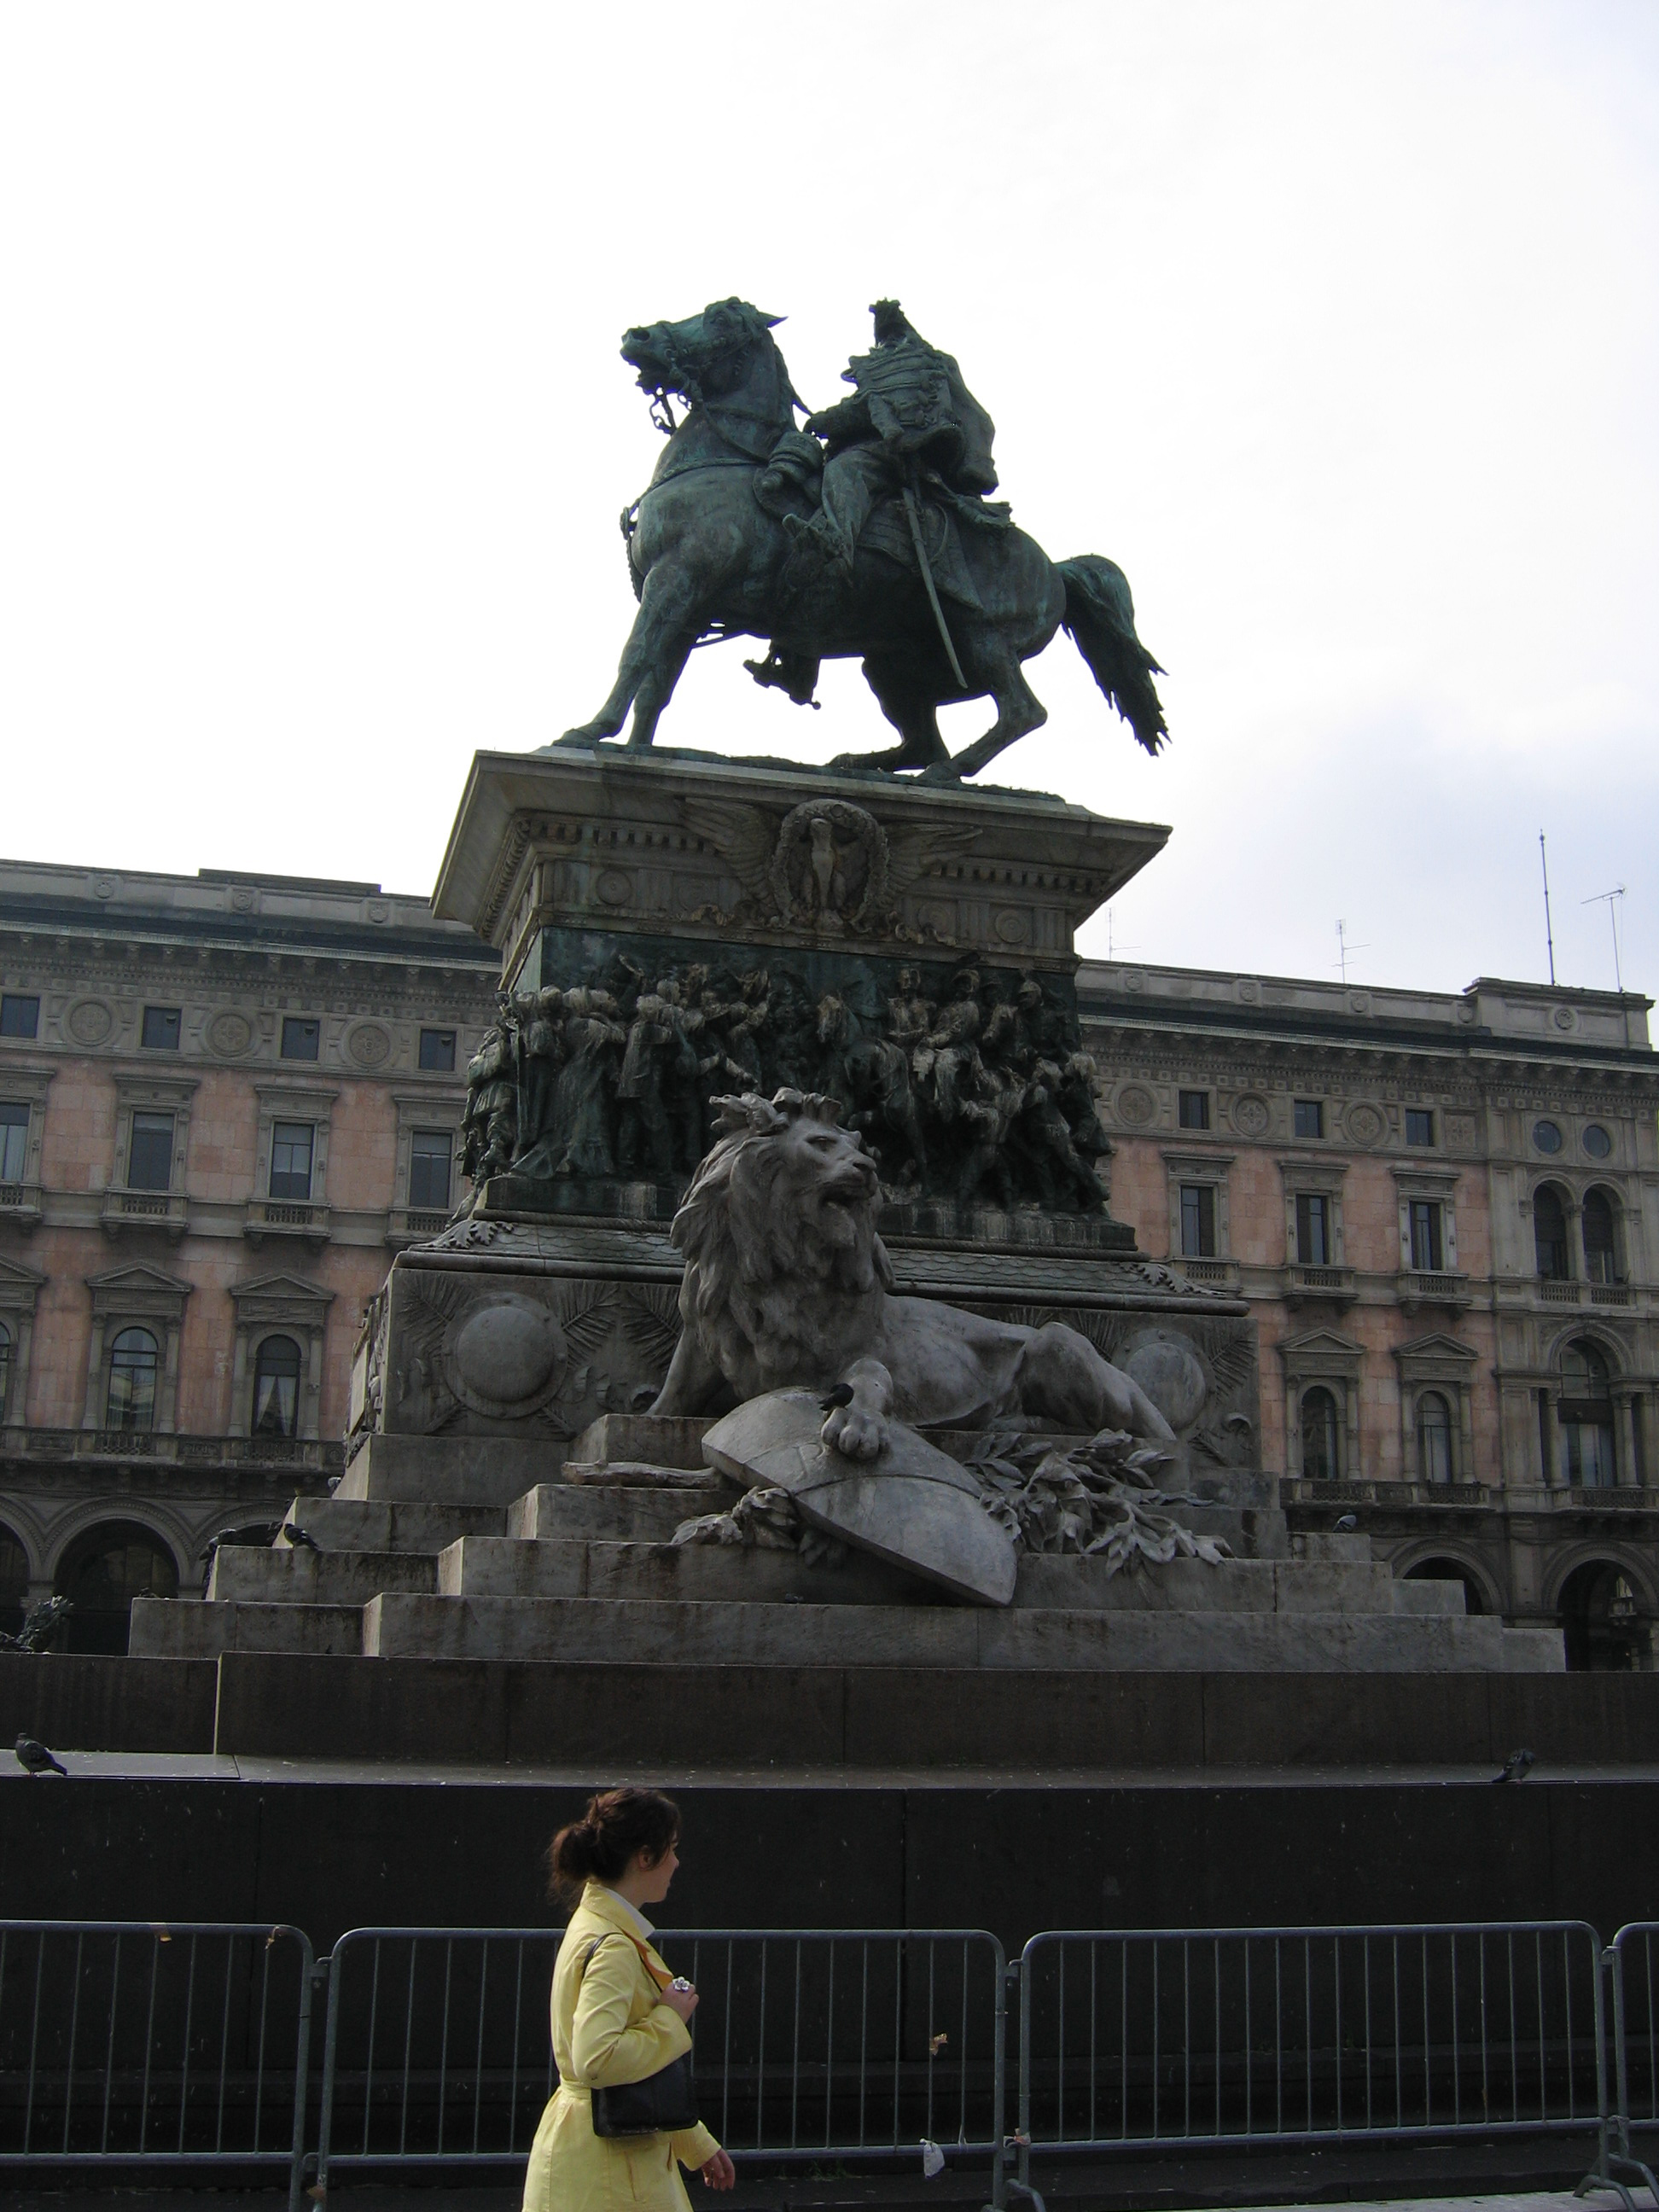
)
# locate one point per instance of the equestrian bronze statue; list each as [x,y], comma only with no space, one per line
[869,532]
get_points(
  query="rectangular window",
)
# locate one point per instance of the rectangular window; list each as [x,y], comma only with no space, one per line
[160,1031]
[1426,1236]
[1194,1109]
[429,1170]
[1420,1126]
[438,1051]
[13,1139]
[1310,1117]
[1314,1244]
[300,1038]
[149,1155]
[290,1159]
[1197,1221]
[20,1015]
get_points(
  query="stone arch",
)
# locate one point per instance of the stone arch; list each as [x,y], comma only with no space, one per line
[1551,1204]
[1423,1561]
[1625,1557]
[1594,1331]
[112,1559]
[1605,1606]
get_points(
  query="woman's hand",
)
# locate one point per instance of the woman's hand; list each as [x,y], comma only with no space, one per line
[718,2172]
[684,2002]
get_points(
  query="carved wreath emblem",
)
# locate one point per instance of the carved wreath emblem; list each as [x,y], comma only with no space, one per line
[828,865]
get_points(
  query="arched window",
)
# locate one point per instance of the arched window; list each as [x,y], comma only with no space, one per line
[102,1572]
[14,1582]
[1600,1264]
[1318,1434]
[5,1368]
[132,1361]
[1549,1233]
[276,1388]
[1586,1417]
[1434,1438]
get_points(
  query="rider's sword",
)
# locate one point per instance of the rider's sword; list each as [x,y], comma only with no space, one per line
[927,579]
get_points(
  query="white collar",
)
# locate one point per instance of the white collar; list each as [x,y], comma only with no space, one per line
[632,1912]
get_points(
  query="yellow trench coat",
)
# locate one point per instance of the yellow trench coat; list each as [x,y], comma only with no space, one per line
[610,2025]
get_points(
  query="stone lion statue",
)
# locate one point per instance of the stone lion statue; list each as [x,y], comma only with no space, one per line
[788,1286]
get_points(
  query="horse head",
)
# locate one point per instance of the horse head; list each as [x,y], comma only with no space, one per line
[702,357]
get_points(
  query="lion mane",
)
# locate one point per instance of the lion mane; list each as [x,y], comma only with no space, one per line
[774,1274]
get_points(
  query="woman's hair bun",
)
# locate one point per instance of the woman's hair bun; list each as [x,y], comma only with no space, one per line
[618,1826]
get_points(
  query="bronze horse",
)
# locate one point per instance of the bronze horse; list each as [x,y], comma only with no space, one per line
[707,548]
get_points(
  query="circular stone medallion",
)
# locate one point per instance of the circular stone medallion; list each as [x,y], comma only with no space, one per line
[1012,926]
[90,1023]
[1170,1373]
[1135,1105]
[615,888]
[370,1045]
[229,1033]
[506,1355]
[1365,1122]
[1250,1115]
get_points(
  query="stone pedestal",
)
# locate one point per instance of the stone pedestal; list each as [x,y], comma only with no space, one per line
[508,1498]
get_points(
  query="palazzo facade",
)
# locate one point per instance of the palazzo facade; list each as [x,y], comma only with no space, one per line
[226,1100]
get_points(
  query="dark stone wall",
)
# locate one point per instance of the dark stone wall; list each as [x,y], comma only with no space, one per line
[330,1855]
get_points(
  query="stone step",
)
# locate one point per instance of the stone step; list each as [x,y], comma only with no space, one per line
[707,1573]
[355,1524]
[245,1575]
[648,1512]
[663,1441]
[190,1628]
[450,1470]
[670,1633]
[701,1573]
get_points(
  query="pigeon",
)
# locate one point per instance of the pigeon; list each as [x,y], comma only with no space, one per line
[35,1758]
[298,1538]
[1514,1767]
[841,1395]
[1348,1524]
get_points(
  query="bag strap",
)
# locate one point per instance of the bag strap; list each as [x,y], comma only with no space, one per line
[645,1956]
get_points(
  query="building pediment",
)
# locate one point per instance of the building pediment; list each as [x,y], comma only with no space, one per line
[120,1282]
[14,1276]
[1316,1342]
[282,1289]
[1436,1345]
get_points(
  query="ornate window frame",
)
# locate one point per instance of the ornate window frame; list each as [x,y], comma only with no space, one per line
[1420,1180]
[1324,1357]
[1303,1177]
[1436,1363]
[135,1296]
[306,1217]
[278,1305]
[434,1108]
[1212,1170]
[27,1085]
[19,1291]
[125,1207]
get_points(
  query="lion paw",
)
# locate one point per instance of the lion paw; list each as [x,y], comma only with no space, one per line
[855,1432]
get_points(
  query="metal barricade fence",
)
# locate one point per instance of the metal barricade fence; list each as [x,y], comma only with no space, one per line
[134,2044]
[1143,2040]
[810,2046]
[1633,1973]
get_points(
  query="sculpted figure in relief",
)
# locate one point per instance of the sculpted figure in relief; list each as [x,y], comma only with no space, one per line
[787,1285]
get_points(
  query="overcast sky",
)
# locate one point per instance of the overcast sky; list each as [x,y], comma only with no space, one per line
[1335,324]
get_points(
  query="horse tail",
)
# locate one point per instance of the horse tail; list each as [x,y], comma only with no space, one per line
[1100,620]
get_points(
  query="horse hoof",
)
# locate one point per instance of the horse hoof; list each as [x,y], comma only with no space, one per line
[942,772]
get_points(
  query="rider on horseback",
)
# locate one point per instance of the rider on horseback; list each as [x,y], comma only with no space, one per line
[910,412]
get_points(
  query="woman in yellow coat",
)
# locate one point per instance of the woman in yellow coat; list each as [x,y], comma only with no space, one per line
[617,2017]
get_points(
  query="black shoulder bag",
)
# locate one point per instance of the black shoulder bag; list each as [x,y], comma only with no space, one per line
[664,2104]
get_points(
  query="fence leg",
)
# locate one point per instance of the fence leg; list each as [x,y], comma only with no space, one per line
[311,1975]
